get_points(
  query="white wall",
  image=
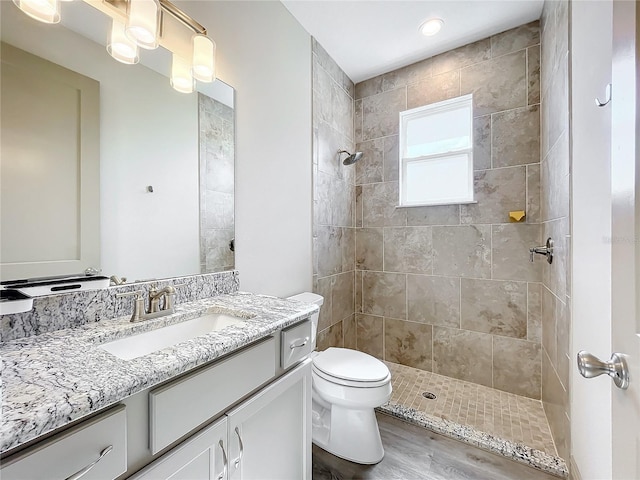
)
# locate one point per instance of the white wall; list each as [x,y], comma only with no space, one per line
[591,229]
[148,136]
[266,56]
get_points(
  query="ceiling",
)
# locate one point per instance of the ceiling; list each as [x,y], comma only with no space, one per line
[370,37]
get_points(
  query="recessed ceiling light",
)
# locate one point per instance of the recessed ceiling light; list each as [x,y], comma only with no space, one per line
[431,26]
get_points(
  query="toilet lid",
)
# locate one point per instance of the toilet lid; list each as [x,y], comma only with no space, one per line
[350,365]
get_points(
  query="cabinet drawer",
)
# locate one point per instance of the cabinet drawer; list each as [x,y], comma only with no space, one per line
[295,343]
[180,406]
[69,452]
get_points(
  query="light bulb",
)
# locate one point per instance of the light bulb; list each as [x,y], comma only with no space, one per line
[120,46]
[143,23]
[431,27]
[204,58]
[46,11]
[181,77]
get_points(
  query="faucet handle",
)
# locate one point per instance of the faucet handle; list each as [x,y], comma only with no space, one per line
[169,299]
[138,305]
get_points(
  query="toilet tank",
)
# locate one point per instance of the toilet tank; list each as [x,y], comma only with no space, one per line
[308,297]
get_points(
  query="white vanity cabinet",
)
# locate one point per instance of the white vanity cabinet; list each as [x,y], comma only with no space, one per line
[266,437]
[93,449]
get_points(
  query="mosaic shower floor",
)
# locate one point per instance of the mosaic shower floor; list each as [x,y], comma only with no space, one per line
[502,422]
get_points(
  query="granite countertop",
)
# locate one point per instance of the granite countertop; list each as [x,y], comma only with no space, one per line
[53,379]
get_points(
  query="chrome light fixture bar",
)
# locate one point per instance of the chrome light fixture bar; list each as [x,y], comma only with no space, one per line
[146,24]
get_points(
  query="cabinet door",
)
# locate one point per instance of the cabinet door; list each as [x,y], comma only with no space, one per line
[203,457]
[270,434]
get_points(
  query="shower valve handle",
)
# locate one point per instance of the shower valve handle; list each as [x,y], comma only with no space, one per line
[546,250]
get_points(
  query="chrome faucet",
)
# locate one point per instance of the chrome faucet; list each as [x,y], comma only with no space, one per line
[546,250]
[155,310]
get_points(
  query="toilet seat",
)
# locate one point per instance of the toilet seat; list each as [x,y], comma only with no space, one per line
[350,368]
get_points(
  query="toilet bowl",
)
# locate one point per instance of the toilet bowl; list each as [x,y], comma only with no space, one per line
[347,386]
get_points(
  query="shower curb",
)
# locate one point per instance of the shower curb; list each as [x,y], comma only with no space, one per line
[513,450]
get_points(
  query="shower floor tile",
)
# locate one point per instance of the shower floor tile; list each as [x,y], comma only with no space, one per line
[509,424]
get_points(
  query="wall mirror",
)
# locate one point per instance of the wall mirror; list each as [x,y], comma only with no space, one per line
[163,202]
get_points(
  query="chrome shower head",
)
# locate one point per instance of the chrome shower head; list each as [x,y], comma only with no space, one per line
[352,157]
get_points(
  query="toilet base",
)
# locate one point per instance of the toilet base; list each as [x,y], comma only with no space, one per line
[347,433]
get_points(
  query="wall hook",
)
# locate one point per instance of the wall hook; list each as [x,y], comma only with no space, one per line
[607,93]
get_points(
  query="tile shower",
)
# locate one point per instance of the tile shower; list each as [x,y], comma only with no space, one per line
[447,289]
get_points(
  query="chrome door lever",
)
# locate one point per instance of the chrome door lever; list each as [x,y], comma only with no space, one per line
[591,366]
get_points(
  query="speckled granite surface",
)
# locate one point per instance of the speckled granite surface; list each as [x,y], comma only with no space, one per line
[54,378]
[55,312]
[513,450]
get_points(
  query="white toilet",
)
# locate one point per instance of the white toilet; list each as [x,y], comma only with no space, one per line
[347,386]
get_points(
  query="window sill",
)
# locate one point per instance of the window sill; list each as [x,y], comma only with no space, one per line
[470,202]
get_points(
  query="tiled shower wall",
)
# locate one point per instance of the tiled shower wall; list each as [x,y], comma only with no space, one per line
[555,181]
[333,199]
[450,289]
[216,124]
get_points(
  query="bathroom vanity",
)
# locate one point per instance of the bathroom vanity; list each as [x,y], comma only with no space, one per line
[231,404]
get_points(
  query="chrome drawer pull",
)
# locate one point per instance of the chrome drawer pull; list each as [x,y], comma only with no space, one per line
[80,473]
[306,340]
[224,461]
[237,460]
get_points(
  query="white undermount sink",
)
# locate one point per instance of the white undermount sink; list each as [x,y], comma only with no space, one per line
[148,342]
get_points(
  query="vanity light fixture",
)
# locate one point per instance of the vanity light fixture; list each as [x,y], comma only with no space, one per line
[181,76]
[46,11]
[431,26]
[204,53]
[120,46]
[147,24]
[143,23]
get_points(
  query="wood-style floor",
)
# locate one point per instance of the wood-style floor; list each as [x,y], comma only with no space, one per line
[413,453]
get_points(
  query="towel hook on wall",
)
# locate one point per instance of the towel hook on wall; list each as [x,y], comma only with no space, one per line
[607,93]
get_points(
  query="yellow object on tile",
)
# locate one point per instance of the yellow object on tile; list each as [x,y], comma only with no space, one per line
[517,215]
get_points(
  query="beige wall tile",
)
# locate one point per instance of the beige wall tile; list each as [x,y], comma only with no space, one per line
[370,167]
[554,275]
[497,84]
[510,252]
[404,76]
[327,142]
[495,307]
[555,400]
[391,153]
[370,335]
[517,366]
[357,120]
[482,142]
[408,343]
[533,75]
[358,291]
[332,104]
[555,107]
[380,113]
[433,215]
[324,60]
[549,341]
[434,300]
[554,177]
[534,312]
[462,57]
[331,337]
[342,297]
[348,249]
[369,244]
[384,294]
[379,201]
[324,288]
[516,137]
[462,354]
[434,89]
[533,194]
[358,213]
[462,251]
[349,332]
[369,87]
[329,245]
[497,192]
[515,39]
[408,249]
[563,339]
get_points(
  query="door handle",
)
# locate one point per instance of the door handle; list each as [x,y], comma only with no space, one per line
[236,462]
[591,366]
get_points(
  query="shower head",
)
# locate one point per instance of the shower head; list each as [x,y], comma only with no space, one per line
[352,157]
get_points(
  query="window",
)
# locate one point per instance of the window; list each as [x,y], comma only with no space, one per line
[436,153]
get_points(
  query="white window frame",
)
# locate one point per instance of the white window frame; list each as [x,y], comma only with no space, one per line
[404,161]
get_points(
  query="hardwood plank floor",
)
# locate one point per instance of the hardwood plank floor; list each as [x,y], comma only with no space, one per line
[415,453]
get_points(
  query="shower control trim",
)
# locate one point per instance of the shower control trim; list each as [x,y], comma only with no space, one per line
[546,250]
